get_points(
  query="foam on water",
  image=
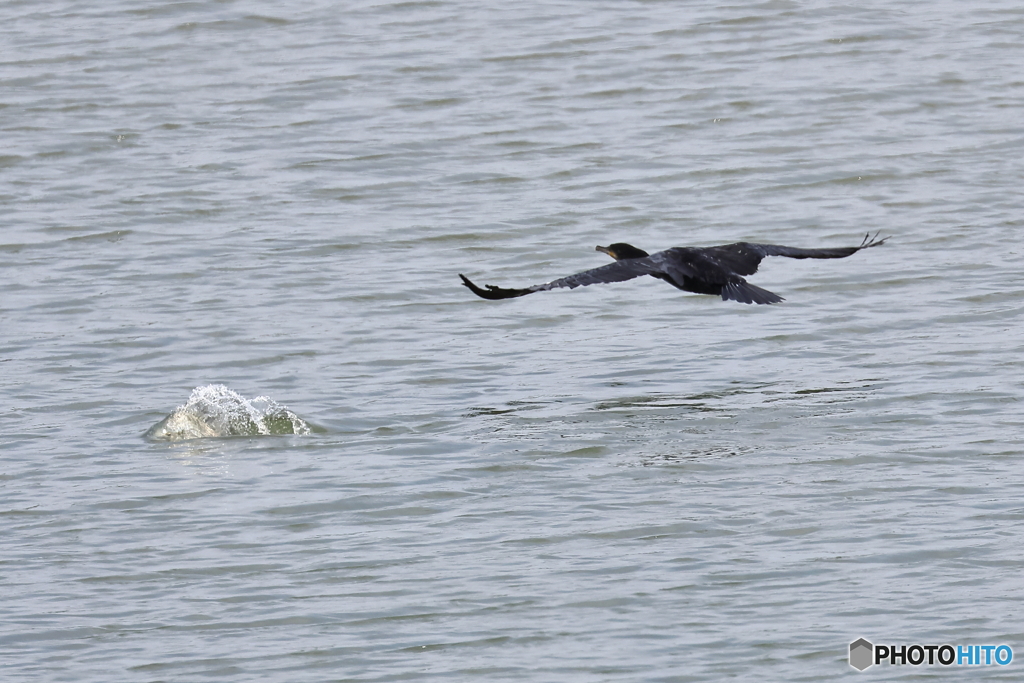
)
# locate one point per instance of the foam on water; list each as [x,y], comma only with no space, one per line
[216,411]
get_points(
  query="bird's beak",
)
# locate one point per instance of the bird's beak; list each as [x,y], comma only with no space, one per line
[605,250]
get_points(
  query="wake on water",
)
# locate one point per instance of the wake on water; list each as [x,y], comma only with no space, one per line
[216,411]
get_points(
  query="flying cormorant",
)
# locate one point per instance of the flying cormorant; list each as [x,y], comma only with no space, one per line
[704,270]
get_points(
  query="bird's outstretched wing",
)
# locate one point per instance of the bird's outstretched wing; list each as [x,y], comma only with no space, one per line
[619,271]
[743,258]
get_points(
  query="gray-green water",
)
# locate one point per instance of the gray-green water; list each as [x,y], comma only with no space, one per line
[620,483]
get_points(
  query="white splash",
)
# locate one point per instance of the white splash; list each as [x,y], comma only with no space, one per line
[214,410]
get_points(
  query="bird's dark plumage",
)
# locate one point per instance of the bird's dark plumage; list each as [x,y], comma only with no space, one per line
[704,270]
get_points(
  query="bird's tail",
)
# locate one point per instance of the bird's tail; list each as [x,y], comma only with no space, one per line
[746,293]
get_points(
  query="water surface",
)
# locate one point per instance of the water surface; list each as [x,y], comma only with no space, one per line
[613,483]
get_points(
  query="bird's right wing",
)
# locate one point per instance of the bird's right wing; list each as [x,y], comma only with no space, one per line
[744,257]
[627,269]
[826,252]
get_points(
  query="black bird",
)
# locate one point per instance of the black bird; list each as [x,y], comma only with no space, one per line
[704,270]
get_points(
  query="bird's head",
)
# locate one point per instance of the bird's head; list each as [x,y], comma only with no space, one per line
[621,250]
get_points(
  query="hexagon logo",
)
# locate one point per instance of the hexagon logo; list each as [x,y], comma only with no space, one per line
[862,654]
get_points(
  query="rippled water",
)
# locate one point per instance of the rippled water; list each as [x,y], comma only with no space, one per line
[612,483]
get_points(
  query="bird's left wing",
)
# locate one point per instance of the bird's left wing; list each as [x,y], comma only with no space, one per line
[626,269]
